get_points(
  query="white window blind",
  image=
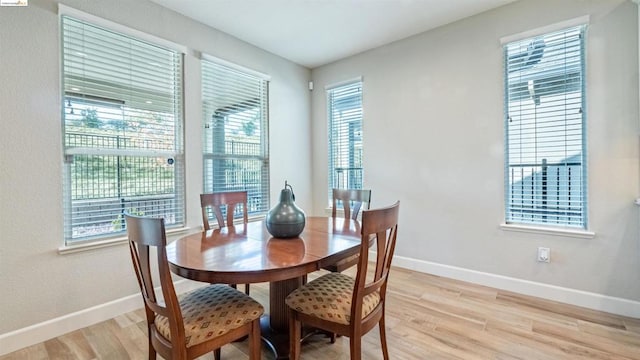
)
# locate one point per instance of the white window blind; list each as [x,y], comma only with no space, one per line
[344,104]
[235,120]
[545,163]
[122,120]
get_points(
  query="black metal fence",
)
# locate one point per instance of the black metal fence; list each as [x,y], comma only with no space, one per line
[102,216]
[102,187]
[347,178]
[546,193]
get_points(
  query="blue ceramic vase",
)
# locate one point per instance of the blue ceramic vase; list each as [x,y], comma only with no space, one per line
[285,220]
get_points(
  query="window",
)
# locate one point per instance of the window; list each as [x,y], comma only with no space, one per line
[235,120]
[122,121]
[545,163]
[345,136]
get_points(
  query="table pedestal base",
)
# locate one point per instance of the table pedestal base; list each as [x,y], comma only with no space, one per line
[275,327]
[277,341]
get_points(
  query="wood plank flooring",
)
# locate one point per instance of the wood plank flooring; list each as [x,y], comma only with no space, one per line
[428,317]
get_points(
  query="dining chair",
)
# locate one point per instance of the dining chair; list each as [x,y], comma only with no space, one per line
[352,201]
[348,306]
[217,202]
[194,323]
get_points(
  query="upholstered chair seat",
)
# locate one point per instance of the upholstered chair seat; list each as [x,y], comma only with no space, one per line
[329,298]
[211,312]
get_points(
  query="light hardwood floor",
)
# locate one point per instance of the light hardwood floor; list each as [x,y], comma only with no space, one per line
[428,317]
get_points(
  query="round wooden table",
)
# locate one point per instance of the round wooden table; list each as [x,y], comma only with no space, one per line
[244,254]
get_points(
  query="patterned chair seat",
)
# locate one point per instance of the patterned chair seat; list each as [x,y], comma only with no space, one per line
[210,312]
[329,297]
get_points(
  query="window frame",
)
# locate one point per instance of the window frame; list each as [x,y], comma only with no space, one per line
[568,227]
[234,111]
[356,152]
[71,96]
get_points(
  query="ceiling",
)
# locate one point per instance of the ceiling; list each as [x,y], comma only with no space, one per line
[316,32]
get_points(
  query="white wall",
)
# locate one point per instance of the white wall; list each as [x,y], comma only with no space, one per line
[433,133]
[37,282]
[433,138]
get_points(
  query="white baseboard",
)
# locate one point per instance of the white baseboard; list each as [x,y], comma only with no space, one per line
[30,335]
[581,298]
[49,329]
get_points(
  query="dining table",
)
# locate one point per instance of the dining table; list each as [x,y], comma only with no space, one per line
[248,253]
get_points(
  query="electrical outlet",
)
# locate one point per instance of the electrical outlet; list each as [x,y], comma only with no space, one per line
[544,254]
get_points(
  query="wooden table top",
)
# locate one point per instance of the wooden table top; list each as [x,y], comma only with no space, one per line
[248,253]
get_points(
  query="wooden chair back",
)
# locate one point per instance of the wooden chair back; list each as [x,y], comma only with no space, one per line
[352,201]
[144,234]
[216,201]
[381,226]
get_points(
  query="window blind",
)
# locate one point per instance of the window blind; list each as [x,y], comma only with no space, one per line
[545,163]
[122,120]
[344,104]
[235,121]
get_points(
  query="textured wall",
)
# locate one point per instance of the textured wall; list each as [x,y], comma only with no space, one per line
[38,283]
[433,138]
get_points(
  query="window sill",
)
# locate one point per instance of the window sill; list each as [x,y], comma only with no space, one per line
[99,244]
[549,231]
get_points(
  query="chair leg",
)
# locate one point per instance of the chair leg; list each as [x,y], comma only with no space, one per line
[333,337]
[355,347]
[152,351]
[216,354]
[383,337]
[254,341]
[294,336]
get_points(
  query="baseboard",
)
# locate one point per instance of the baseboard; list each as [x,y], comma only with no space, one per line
[30,335]
[49,329]
[585,299]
